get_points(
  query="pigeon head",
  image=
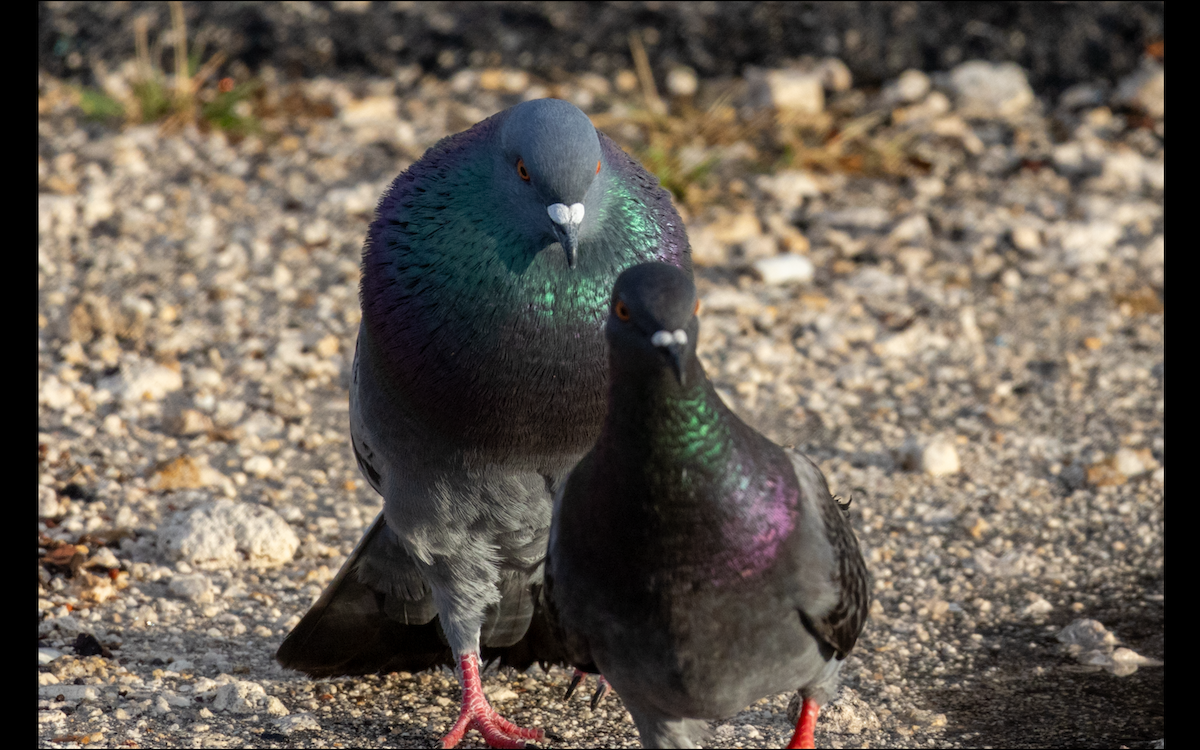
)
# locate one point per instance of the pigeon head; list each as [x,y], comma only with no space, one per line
[652,324]
[550,158]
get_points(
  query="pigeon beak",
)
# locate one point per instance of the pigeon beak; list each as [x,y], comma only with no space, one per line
[674,345]
[567,222]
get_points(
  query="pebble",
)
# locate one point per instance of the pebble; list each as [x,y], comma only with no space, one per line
[940,458]
[787,268]
[221,534]
[990,90]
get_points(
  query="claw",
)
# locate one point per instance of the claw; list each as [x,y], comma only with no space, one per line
[575,680]
[602,691]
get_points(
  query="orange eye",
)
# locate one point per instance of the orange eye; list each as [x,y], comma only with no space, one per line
[597,166]
[621,310]
[696,309]
[521,170]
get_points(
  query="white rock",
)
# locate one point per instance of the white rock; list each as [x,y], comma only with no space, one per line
[194,588]
[223,533]
[788,90]
[911,230]
[940,458]
[1027,238]
[48,505]
[990,90]
[911,86]
[297,722]
[1086,635]
[70,693]
[789,187]
[258,466]
[1038,606]
[682,81]
[142,381]
[500,694]
[245,697]
[55,394]
[788,268]
[1086,243]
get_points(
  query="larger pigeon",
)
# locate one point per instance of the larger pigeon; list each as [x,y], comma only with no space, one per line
[694,563]
[478,382]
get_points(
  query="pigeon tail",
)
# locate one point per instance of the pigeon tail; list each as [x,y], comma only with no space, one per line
[806,726]
[478,714]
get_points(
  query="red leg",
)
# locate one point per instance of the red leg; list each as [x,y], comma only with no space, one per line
[478,714]
[806,725]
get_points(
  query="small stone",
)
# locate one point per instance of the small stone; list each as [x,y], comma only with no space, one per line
[911,86]
[1038,606]
[188,422]
[500,694]
[297,722]
[682,81]
[940,458]
[48,505]
[223,533]
[1026,238]
[193,588]
[787,268]
[258,466]
[991,90]
[143,381]
[788,90]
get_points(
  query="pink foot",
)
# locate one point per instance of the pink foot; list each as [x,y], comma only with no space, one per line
[806,725]
[478,714]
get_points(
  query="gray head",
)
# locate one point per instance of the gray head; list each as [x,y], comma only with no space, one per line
[652,322]
[551,156]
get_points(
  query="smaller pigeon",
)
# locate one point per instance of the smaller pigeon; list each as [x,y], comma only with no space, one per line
[694,563]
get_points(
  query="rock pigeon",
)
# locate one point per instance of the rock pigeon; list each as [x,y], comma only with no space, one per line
[694,563]
[478,382]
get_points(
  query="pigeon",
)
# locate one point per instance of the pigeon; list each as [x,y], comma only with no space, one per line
[478,382]
[694,563]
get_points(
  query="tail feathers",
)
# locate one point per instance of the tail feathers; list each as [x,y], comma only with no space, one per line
[506,621]
[378,615]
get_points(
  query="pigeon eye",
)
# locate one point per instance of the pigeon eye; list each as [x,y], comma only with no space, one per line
[696,309]
[521,170]
[621,310]
[597,166]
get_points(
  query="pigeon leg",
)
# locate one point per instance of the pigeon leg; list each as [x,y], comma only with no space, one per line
[806,725]
[478,714]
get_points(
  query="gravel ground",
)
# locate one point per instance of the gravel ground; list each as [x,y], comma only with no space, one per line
[970,346]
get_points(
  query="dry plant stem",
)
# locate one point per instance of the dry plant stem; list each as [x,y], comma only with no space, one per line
[183,88]
[645,75]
